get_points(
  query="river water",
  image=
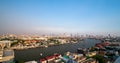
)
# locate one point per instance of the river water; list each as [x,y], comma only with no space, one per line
[34,53]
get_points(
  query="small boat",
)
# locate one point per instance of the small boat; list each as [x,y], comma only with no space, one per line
[46,46]
[41,54]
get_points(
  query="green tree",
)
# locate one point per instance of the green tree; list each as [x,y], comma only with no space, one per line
[99,58]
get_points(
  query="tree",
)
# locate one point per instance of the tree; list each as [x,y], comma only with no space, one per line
[99,58]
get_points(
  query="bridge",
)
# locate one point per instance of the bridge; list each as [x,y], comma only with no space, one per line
[6,55]
[4,44]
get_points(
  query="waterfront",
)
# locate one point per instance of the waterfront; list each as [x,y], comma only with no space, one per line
[34,54]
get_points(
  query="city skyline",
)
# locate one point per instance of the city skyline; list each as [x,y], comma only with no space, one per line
[60,16]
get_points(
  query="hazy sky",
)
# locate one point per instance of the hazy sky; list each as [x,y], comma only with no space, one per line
[59,16]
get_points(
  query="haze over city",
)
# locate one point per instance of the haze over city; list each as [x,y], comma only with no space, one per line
[60,16]
[59,31]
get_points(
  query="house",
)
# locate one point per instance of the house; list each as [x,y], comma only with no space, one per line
[43,60]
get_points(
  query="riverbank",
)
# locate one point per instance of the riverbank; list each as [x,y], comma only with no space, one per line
[42,46]
[34,53]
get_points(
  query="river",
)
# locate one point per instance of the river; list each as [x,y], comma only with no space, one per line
[34,53]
